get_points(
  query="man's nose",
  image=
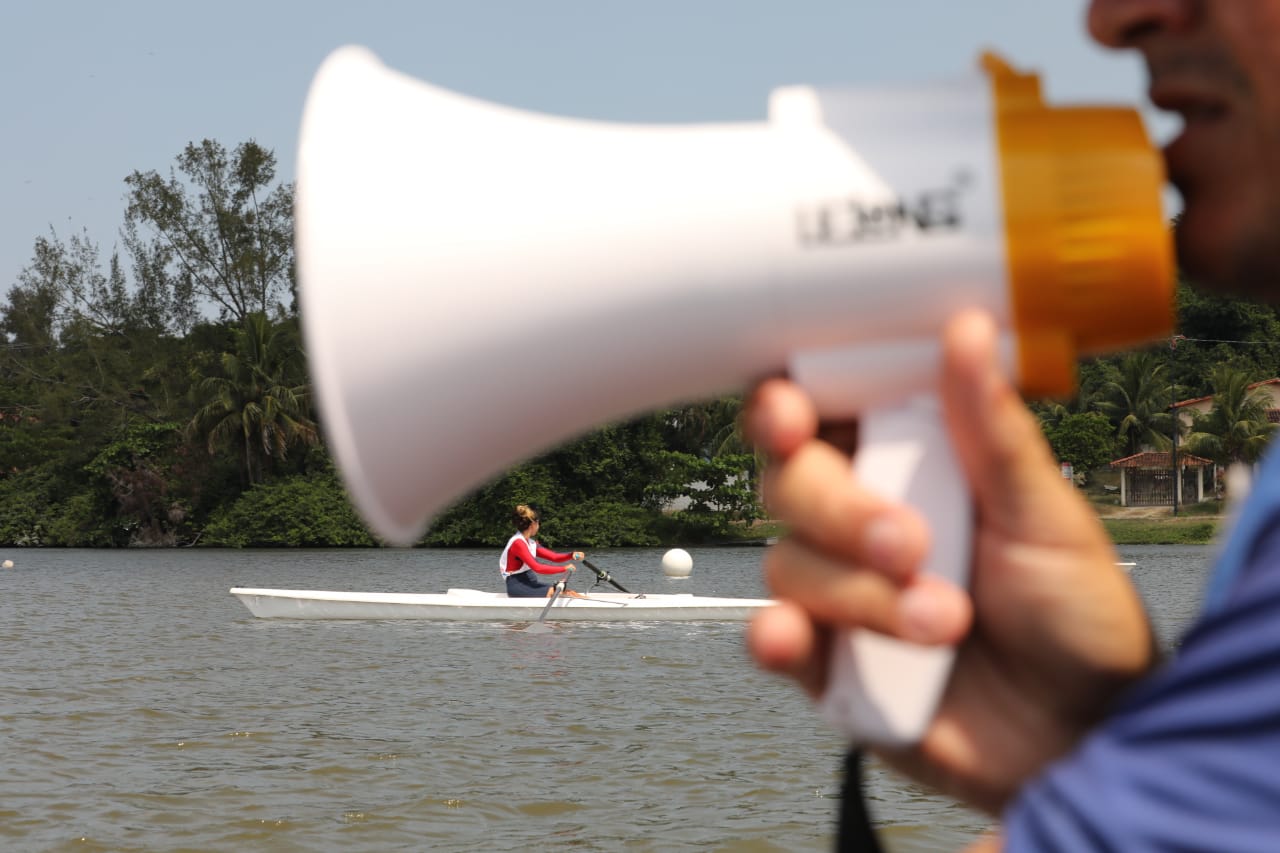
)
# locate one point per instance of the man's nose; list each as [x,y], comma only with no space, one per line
[1122,23]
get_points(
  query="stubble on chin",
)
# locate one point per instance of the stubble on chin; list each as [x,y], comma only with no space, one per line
[1242,261]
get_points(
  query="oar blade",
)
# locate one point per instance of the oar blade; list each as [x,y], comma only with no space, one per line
[541,624]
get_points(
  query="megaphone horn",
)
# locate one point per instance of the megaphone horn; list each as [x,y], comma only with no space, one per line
[479,284]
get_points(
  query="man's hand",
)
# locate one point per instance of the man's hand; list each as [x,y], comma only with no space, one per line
[1054,629]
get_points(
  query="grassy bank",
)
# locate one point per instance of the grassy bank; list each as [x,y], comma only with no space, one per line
[1158,530]
[1123,531]
[1195,524]
[1161,531]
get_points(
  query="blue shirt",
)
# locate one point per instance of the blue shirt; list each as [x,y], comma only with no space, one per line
[1190,759]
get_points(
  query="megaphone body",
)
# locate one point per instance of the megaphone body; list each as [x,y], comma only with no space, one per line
[479,284]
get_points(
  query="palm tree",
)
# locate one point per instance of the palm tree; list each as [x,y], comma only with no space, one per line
[1137,402]
[1049,412]
[255,405]
[1236,429]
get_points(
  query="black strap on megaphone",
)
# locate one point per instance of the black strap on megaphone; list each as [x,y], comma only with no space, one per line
[602,575]
[854,832]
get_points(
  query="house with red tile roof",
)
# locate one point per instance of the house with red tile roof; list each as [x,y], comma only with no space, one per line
[1147,478]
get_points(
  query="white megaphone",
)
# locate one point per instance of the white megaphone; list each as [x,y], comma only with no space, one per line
[451,250]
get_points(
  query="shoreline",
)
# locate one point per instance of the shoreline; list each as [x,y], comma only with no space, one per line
[1195,524]
[1133,526]
[1168,531]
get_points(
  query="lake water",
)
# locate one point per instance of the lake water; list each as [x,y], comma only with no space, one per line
[142,708]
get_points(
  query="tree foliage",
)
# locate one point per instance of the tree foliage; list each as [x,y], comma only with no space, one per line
[1087,440]
[259,402]
[618,485]
[1236,428]
[1137,402]
[160,397]
[220,232]
[301,511]
[1215,330]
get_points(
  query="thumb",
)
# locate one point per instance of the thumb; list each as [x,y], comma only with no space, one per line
[999,441]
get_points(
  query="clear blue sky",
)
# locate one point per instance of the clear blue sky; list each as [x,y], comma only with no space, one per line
[94,90]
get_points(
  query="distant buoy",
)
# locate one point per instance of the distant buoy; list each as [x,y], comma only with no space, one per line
[677,563]
[8,564]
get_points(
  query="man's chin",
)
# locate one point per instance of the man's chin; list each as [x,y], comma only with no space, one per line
[1214,254]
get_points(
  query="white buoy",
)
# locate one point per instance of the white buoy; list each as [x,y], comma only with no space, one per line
[677,563]
[8,564]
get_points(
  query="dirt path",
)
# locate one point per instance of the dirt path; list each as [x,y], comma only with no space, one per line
[1151,512]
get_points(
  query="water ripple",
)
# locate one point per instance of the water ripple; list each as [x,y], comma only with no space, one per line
[143,709]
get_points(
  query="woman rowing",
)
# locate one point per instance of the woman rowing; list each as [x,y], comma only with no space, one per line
[520,563]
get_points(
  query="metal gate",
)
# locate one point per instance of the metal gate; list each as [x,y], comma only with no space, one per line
[1154,487]
[1150,487]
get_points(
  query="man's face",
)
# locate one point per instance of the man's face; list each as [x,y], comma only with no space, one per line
[1217,64]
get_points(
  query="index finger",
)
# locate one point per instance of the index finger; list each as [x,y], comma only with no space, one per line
[815,494]
[779,417]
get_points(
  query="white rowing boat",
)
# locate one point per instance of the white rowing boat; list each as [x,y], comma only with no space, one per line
[479,606]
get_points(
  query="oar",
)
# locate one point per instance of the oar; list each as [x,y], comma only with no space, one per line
[606,577]
[552,600]
[538,627]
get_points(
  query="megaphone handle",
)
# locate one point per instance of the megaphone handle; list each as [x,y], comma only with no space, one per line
[883,690]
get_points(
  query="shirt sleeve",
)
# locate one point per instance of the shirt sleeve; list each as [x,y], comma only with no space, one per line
[545,553]
[521,551]
[1190,760]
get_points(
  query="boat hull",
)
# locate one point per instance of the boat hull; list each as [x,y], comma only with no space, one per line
[473,605]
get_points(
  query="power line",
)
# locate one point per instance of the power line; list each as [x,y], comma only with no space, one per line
[1177,339]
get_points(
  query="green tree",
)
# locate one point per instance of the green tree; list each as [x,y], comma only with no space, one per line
[612,486]
[80,360]
[1236,429]
[718,493]
[1222,330]
[223,232]
[1085,439]
[300,511]
[151,480]
[484,516]
[709,428]
[1137,403]
[63,287]
[258,403]
[106,301]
